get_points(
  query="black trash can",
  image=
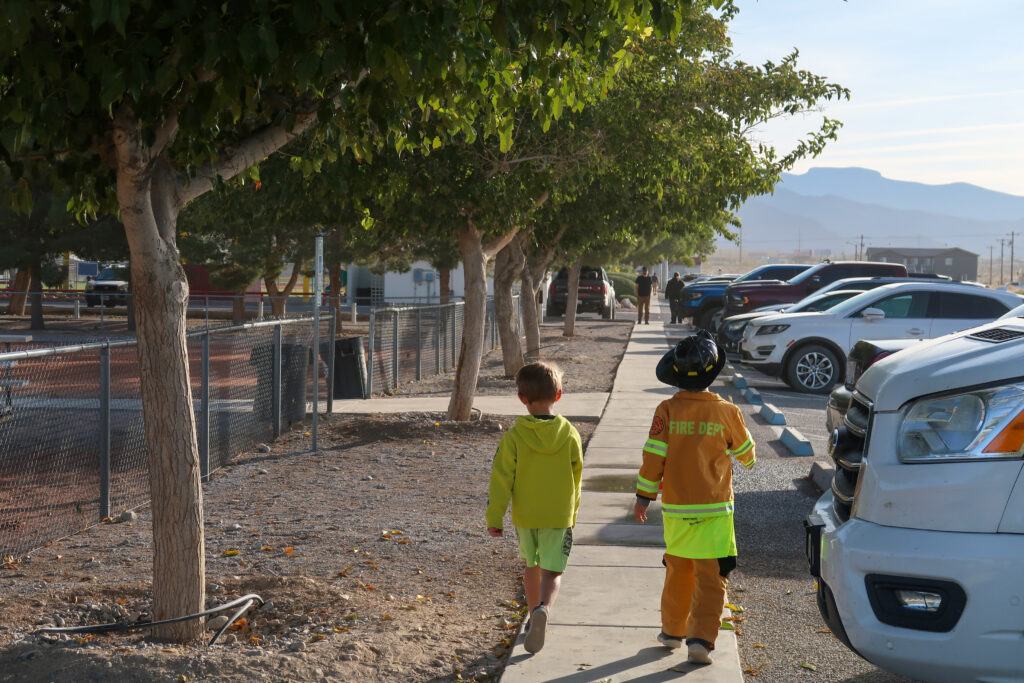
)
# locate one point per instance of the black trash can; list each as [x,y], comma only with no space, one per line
[349,366]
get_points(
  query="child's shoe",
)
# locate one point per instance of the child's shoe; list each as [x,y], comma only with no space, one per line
[699,651]
[535,635]
[671,642]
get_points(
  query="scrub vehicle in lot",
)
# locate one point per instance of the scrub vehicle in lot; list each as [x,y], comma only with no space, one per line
[809,350]
[918,546]
[596,293]
[703,301]
[109,288]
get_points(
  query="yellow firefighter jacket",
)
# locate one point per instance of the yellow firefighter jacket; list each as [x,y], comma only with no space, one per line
[687,454]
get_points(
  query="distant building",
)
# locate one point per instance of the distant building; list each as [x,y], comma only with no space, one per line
[957,263]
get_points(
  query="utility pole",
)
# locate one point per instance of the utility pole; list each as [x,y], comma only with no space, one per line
[1012,278]
[1002,247]
[861,256]
[990,272]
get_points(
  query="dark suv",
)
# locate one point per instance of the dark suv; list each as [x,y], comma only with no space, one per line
[596,293]
[109,288]
[703,301]
[743,297]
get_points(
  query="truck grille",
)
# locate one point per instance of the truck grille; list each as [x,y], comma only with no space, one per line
[847,450]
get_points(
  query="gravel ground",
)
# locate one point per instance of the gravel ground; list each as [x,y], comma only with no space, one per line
[372,554]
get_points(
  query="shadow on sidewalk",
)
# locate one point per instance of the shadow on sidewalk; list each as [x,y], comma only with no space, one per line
[645,656]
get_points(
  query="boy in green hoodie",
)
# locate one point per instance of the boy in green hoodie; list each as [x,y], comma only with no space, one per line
[538,466]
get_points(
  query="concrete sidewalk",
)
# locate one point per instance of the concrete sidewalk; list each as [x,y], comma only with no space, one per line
[606,620]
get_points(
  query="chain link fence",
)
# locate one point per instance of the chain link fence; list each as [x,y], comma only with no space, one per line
[406,344]
[72,446]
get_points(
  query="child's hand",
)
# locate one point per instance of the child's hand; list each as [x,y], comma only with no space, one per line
[494,532]
[640,512]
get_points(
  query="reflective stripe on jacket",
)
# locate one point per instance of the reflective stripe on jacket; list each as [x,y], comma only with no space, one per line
[688,455]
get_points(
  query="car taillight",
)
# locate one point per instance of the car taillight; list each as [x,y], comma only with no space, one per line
[552,290]
[604,289]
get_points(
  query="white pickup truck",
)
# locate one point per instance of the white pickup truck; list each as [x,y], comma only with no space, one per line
[918,548]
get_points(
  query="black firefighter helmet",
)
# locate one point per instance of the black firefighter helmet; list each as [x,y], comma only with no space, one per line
[693,363]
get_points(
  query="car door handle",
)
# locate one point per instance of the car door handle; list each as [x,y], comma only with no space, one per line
[915,330]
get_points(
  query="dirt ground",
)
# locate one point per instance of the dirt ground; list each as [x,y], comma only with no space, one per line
[371,555]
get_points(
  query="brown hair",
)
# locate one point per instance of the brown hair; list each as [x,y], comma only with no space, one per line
[539,381]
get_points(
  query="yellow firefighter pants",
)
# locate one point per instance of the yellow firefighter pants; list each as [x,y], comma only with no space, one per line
[693,598]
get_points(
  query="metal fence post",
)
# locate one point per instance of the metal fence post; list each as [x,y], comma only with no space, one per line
[394,349]
[104,432]
[78,308]
[259,308]
[332,333]
[275,391]
[419,345]
[455,325]
[204,422]
[437,340]
[369,369]
[103,307]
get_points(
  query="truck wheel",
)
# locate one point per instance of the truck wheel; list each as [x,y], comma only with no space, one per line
[813,369]
[553,312]
[606,312]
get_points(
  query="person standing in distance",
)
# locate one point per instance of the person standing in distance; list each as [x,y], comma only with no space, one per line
[674,294]
[642,288]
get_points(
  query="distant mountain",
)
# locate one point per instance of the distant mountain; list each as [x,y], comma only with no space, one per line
[829,208]
[864,185]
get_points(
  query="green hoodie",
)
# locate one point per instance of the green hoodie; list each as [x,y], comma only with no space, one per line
[539,465]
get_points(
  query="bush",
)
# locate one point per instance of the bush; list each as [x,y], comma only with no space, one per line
[623,283]
[631,297]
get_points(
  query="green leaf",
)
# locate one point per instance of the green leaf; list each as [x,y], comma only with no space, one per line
[119,10]
[77,90]
[305,16]
[111,87]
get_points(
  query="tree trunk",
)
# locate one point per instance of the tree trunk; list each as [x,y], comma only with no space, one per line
[446,286]
[36,289]
[148,197]
[572,296]
[238,308]
[474,263]
[278,296]
[22,281]
[507,265]
[531,314]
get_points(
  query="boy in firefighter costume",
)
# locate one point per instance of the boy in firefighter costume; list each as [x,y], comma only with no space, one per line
[693,436]
[538,467]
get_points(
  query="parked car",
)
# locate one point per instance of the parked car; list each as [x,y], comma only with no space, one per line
[743,297]
[109,288]
[596,293]
[703,301]
[917,545]
[730,332]
[809,350]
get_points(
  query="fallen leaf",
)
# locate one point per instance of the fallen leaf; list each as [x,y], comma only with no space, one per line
[472,572]
[760,645]
[266,548]
[727,626]
[409,608]
[239,625]
[369,587]
[386,617]
[343,629]
[735,608]
[121,601]
[808,666]
[350,617]
[403,540]
[289,551]
[318,636]
[229,553]
[824,630]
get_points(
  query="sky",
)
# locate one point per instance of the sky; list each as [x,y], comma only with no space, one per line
[937,86]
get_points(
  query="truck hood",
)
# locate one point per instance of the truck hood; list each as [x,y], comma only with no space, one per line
[945,363]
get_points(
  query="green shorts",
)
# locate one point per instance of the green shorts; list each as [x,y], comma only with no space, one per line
[548,548]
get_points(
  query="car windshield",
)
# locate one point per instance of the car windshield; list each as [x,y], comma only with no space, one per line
[807,274]
[113,274]
[1014,313]
[822,302]
[746,276]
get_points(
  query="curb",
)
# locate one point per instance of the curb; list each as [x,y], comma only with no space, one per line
[797,443]
[739,381]
[772,414]
[753,396]
[821,475]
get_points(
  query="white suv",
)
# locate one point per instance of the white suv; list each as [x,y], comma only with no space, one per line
[918,546]
[809,349]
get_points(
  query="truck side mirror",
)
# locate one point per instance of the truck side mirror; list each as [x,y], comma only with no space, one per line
[872,315]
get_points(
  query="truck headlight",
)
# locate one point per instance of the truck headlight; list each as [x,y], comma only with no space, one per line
[693,296]
[982,424]
[772,329]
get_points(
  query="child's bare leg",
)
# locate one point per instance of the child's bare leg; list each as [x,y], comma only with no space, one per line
[550,582]
[532,586]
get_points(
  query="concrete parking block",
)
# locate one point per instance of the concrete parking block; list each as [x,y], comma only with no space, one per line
[739,381]
[797,443]
[772,414]
[821,474]
[753,396]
